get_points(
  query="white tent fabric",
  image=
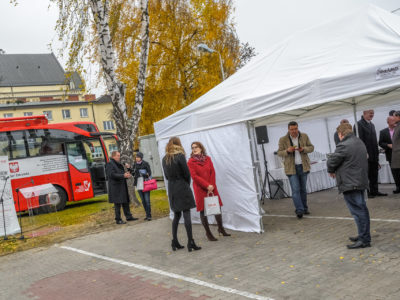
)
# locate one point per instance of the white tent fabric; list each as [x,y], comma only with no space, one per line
[235,182]
[323,71]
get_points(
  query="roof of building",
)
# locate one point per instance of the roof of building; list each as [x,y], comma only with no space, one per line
[34,70]
[101,100]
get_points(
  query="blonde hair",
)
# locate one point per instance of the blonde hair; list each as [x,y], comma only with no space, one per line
[173,148]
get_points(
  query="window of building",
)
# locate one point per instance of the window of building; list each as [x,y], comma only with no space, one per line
[66,114]
[108,125]
[8,115]
[28,114]
[112,147]
[84,112]
[48,114]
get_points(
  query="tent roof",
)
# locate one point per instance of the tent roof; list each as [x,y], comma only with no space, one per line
[354,55]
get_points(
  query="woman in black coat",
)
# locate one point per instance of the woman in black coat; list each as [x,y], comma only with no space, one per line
[142,169]
[179,193]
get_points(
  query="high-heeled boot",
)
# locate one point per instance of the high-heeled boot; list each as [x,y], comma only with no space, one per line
[221,229]
[209,235]
[191,245]
[175,245]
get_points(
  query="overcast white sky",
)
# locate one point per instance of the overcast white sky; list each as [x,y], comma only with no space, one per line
[29,27]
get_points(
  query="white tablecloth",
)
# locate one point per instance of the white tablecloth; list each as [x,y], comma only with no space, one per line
[385,174]
[317,180]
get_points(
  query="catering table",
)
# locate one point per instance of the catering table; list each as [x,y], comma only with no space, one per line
[317,180]
[385,174]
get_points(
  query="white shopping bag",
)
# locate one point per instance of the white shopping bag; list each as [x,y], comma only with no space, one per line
[211,205]
[139,183]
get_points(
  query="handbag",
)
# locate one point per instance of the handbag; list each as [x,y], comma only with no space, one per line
[149,185]
[211,205]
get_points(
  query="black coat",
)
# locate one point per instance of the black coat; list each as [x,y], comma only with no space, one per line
[384,140]
[350,164]
[367,134]
[177,173]
[117,187]
[136,173]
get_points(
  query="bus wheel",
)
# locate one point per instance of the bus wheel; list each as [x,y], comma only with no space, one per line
[53,202]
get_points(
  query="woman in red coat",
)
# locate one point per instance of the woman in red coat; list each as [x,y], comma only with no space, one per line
[203,175]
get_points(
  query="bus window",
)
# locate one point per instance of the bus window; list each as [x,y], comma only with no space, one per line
[76,156]
[4,145]
[17,144]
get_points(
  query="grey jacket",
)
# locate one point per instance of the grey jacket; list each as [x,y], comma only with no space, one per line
[350,163]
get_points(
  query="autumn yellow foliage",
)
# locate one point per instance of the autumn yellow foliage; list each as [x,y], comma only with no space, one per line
[178,73]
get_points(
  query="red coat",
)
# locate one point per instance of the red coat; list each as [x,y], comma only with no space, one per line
[203,175]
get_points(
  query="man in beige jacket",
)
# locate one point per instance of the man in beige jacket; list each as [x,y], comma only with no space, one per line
[293,148]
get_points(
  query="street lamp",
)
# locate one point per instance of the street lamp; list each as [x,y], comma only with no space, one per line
[205,48]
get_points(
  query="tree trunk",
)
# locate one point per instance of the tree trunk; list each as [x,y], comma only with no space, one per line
[116,89]
[144,55]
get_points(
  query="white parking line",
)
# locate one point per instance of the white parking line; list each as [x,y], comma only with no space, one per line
[332,218]
[168,274]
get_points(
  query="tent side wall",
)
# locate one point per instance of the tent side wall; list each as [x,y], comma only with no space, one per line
[230,150]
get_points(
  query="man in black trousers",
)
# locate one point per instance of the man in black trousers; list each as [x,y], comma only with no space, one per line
[117,188]
[367,133]
[385,141]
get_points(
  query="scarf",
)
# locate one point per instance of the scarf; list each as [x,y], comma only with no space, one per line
[199,157]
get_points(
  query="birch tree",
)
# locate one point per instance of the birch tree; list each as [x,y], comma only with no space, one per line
[83,23]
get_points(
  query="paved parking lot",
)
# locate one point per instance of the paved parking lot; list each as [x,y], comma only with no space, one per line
[293,259]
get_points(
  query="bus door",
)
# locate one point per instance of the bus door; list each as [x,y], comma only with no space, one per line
[97,164]
[81,182]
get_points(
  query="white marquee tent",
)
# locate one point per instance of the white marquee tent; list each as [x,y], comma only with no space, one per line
[316,77]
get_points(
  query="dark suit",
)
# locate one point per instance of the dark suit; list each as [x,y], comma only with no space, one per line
[384,140]
[367,134]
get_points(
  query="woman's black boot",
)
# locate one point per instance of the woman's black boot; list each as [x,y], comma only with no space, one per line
[175,245]
[191,245]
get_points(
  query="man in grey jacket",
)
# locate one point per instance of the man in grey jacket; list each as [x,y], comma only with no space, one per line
[349,164]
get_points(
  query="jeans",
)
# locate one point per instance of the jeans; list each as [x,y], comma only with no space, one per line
[358,208]
[298,183]
[145,197]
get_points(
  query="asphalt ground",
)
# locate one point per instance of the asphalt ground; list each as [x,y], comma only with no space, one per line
[292,259]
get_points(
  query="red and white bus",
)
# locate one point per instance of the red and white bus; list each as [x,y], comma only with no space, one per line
[71,156]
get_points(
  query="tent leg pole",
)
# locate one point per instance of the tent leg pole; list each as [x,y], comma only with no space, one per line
[328,134]
[250,127]
[355,115]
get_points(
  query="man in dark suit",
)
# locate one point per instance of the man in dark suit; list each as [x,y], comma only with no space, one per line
[367,133]
[385,141]
[396,153]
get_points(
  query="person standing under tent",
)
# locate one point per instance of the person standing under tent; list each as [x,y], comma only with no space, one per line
[396,153]
[367,133]
[180,194]
[142,169]
[385,141]
[349,165]
[293,148]
[335,136]
[204,183]
[118,188]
